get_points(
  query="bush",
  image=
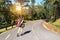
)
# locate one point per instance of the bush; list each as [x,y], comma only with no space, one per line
[52,19]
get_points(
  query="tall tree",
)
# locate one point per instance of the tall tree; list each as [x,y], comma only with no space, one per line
[50,7]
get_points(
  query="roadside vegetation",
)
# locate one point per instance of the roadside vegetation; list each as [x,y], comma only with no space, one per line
[4,29]
[57,23]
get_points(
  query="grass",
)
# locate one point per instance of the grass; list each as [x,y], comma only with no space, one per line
[57,26]
[56,23]
[2,30]
[8,28]
[53,27]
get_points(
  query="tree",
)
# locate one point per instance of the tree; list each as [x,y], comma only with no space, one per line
[50,8]
[5,10]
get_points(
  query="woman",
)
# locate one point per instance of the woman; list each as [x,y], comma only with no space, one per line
[19,24]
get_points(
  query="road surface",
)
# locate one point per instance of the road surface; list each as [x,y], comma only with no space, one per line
[38,32]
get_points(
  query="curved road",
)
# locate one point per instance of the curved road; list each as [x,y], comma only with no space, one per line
[38,32]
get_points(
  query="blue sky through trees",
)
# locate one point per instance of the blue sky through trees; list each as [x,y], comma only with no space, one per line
[36,2]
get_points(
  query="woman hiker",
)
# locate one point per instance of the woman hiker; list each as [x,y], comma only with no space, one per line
[19,24]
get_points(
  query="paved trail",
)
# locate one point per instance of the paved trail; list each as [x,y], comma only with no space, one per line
[38,32]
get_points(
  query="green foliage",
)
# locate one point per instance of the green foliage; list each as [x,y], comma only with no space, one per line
[51,10]
[52,19]
[33,1]
[5,13]
[45,11]
[57,25]
[1,0]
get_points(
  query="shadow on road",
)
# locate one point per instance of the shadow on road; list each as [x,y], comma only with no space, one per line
[25,32]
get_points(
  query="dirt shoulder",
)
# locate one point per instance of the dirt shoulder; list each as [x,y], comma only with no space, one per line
[51,27]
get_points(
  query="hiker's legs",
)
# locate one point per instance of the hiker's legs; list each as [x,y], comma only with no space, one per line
[20,31]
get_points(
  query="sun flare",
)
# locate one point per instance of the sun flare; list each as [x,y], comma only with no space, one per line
[18,8]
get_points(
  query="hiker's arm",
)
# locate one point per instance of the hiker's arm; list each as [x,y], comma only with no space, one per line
[21,21]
